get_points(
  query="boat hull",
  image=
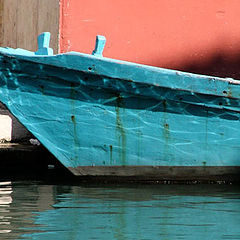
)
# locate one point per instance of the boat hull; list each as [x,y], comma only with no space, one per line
[101,125]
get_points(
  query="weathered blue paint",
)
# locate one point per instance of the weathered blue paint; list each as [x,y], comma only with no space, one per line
[43,44]
[95,111]
[100,43]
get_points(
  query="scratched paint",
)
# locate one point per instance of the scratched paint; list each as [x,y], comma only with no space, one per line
[206,140]
[166,133]
[121,132]
[139,137]
[75,132]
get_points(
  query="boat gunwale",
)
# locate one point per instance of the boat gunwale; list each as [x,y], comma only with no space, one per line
[216,106]
[32,58]
[182,81]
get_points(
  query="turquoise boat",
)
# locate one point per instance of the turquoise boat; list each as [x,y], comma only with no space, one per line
[110,118]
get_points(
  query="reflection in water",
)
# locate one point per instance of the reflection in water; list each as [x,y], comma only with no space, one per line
[40,211]
[5,200]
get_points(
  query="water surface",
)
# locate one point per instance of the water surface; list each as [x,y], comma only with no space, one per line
[38,210]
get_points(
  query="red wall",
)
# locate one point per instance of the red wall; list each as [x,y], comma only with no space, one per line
[201,36]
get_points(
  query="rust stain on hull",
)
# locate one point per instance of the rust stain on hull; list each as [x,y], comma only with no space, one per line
[120,131]
[74,122]
[111,154]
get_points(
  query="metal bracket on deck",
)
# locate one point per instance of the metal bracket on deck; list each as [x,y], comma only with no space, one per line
[99,46]
[43,44]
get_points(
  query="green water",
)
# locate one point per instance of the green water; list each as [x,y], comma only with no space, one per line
[37,210]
